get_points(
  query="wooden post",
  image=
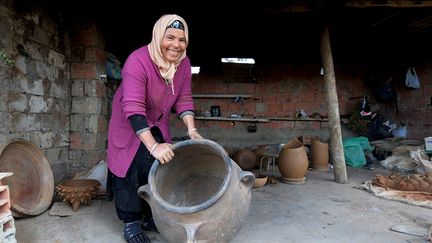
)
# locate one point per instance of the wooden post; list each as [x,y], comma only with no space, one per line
[336,148]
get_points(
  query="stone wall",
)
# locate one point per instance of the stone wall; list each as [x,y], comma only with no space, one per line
[35,91]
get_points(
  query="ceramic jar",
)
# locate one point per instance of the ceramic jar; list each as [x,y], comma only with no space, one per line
[293,162]
[319,155]
[199,196]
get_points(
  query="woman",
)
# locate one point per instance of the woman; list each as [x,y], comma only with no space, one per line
[156,78]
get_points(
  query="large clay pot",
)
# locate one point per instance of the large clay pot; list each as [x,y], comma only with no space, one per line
[199,196]
[293,162]
[319,155]
[245,158]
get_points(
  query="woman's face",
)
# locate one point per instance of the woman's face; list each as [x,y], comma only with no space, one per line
[173,44]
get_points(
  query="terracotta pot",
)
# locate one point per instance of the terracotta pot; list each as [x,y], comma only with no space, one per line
[260,181]
[319,155]
[245,159]
[199,196]
[293,162]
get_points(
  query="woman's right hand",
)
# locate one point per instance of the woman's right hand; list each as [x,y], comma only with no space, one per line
[163,152]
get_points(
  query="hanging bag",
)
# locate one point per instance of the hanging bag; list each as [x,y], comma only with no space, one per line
[411,79]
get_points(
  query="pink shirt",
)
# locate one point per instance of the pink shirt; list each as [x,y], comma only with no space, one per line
[143,91]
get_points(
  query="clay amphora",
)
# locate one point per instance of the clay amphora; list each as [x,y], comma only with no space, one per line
[293,162]
[199,196]
[319,155]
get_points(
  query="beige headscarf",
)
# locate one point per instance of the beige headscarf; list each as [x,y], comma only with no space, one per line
[166,68]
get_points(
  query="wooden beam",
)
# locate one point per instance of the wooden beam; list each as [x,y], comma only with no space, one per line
[390,4]
[336,148]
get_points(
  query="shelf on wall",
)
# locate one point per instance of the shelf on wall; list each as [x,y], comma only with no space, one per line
[241,119]
[301,119]
[221,96]
[298,119]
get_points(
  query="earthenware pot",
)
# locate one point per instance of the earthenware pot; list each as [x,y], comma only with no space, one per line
[293,162]
[199,196]
[319,155]
[260,180]
[245,158]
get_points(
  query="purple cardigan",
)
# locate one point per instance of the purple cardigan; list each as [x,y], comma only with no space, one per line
[144,92]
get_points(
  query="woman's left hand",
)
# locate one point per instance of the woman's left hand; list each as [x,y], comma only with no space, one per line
[194,135]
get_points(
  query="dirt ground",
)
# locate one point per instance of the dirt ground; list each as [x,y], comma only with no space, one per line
[319,211]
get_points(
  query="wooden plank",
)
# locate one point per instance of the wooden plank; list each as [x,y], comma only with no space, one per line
[221,96]
[297,119]
[336,147]
[241,119]
[390,4]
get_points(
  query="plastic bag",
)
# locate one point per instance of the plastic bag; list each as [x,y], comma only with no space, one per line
[354,155]
[113,67]
[411,79]
[400,132]
[100,173]
[354,151]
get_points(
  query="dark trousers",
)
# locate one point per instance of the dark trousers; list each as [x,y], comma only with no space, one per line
[129,206]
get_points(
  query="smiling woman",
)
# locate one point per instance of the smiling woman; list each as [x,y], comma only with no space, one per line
[156,78]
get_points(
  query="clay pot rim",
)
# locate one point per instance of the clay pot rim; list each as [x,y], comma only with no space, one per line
[195,208]
[66,184]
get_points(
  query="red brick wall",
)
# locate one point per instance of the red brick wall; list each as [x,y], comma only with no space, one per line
[282,90]
[415,108]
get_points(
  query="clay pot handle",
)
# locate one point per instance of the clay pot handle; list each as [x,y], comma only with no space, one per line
[247,178]
[144,192]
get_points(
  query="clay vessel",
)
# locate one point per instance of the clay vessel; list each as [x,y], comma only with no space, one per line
[260,180]
[293,162]
[319,155]
[245,158]
[77,191]
[32,183]
[199,196]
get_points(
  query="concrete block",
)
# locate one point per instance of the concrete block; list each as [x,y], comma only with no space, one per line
[86,105]
[77,88]
[75,158]
[38,104]
[32,86]
[91,158]
[47,71]
[56,59]
[43,139]
[57,155]
[24,122]
[7,228]
[17,102]
[90,87]
[58,91]
[92,123]
[77,122]
[20,63]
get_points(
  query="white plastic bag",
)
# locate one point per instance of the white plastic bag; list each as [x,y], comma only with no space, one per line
[100,173]
[411,79]
[400,132]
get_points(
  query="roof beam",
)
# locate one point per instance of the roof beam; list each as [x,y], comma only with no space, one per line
[390,3]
